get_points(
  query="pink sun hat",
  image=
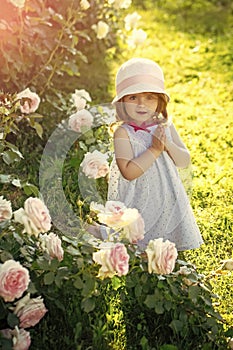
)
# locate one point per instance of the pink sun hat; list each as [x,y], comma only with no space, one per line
[139,75]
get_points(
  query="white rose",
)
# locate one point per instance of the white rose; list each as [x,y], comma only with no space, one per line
[80,97]
[112,213]
[18,3]
[135,228]
[120,4]
[84,4]
[96,207]
[115,207]
[31,103]
[131,20]
[80,119]
[51,243]
[38,213]
[92,162]
[161,256]
[137,38]
[79,102]
[29,227]
[101,29]
[5,209]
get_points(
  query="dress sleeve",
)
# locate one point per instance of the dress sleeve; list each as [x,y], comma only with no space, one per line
[176,148]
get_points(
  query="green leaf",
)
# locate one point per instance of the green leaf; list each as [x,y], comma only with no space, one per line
[4,179]
[89,286]
[62,272]
[38,128]
[193,292]
[168,347]
[43,264]
[6,344]
[88,304]
[176,326]
[138,290]
[116,283]
[54,264]
[78,283]
[144,343]
[49,278]
[159,309]
[150,301]
[30,189]
[10,157]
[12,320]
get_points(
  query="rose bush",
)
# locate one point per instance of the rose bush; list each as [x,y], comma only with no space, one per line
[70,33]
[90,272]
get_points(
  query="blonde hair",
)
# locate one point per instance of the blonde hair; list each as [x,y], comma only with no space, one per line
[121,114]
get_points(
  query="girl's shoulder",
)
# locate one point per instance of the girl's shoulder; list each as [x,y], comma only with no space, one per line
[121,131]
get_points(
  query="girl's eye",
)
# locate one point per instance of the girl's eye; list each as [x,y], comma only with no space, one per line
[132,98]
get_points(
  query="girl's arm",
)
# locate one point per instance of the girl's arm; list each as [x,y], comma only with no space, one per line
[177,149]
[132,167]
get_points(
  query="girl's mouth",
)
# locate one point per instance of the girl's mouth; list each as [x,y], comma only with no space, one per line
[141,112]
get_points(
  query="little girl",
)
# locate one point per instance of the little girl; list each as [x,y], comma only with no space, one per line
[147,151]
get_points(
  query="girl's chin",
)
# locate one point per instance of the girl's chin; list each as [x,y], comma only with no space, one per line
[142,119]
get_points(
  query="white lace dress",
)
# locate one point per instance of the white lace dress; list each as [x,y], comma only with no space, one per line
[159,196]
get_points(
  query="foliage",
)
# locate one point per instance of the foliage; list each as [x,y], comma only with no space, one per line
[44,43]
[173,309]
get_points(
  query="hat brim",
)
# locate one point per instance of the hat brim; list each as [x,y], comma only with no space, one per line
[139,88]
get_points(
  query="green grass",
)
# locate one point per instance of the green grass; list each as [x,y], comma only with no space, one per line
[193,44]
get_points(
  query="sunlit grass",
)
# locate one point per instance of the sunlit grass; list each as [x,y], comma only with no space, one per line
[196,56]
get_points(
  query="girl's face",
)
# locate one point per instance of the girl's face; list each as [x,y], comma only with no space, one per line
[141,107]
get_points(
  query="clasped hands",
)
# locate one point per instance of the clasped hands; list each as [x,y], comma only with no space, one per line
[159,139]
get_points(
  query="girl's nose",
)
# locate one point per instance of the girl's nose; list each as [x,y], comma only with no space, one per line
[141,100]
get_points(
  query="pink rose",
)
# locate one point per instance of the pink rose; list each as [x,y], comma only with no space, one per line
[93,163]
[161,256]
[5,209]
[30,311]
[115,207]
[29,101]
[80,119]
[38,214]
[52,244]
[103,171]
[20,338]
[113,260]
[14,280]
[120,259]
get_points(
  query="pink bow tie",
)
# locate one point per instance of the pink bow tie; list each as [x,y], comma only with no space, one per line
[143,126]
